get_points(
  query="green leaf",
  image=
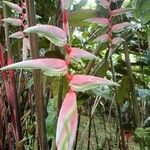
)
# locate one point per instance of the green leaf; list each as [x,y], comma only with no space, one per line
[78,20]
[123,90]
[142,11]
[51,120]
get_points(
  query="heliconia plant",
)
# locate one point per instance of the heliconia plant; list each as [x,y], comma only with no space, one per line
[9,76]
[21,22]
[112,28]
[68,115]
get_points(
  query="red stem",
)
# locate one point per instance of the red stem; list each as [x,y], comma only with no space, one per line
[65,21]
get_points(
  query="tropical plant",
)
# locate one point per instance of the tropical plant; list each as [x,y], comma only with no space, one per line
[51,81]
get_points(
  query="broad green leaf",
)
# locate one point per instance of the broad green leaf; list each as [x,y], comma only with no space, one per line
[142,11]
[13,6]
[54,34]
[49,66]
[123,90]
[77,20]
[103,69]
[51,119]
[104,92]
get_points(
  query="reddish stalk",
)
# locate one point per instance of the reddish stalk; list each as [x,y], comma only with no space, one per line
[12,98]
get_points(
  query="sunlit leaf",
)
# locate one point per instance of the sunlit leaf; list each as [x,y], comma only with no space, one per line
[77,53]
[65,4]
[86,82]
[13,6]
[104,3]
[17,35]
[13,21]
[49,66]
[67,123]
[56,35]
[102,38]
[100,21]
[117,40]
[120,26]
[119,11]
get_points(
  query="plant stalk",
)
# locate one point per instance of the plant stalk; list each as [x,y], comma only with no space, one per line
[89,130]
[118,108]
[30,6]
[135,106]
[77,134]
[134,102]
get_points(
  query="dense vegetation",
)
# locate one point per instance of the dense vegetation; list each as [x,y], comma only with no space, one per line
[74,74]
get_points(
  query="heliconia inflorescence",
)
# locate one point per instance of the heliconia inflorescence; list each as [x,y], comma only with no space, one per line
[112,28]
[21,21]
[68,115]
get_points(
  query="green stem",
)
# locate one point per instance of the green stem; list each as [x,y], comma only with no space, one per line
[134,102]
[90,123]
[118,108]
[91,62]
[30,6]
[148,38]
[78,127]
[95,132]
[135,106]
